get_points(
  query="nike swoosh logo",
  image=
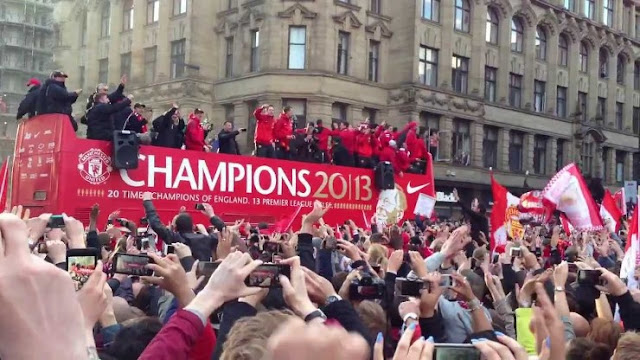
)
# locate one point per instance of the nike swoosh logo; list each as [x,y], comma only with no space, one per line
[412,190]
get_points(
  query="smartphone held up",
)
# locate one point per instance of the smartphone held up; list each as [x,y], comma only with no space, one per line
[80,265]
[135,265]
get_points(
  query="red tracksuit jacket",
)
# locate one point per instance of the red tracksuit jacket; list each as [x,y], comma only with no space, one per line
[365,145]
[323,138]
[402,161]
[389,154]
[264,128]
[282,129]
[348,137]
[194,135]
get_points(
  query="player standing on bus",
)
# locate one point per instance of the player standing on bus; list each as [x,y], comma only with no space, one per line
[264,131]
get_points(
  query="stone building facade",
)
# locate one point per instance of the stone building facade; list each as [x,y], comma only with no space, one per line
[26,40]
[516,85]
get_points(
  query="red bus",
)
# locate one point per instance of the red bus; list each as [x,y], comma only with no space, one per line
[56,172]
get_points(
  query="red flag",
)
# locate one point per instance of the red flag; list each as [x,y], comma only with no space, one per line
[610,213]
[631,251]
[4,183]
[620,199]
[566,224]
[283,225]
[504,215]
[568,192]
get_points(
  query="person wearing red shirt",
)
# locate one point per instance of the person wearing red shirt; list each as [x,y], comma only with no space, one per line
[321,135]
[365,145]
[264,131]
[388,154]
[417,147]
[402,161]
[347,137]
[283,133]
[195,133]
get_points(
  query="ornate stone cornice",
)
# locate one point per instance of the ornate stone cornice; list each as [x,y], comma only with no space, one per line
[348,18]
[290,12]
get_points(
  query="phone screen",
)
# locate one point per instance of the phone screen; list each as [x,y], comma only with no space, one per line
[266,275]
[80,267]
[56,222]
[410,288]
[132,265]
[456,351]
[206,268]
[446,281]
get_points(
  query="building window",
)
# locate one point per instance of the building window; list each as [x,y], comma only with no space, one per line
[232,4]
[374,54]
[462,16]
[620,155]
[103,71]
[636,75]
[584,57]
[297,47]
[539,95]
[589,8]
[619,115]
[461,142]
[603,64]
[636,120]
[601,108]
[431,10]
[105,20]
[127,15]
[460,73]
[540,154]
[607,12]
[490,78]
[255,51]
[82,75]
[299,109]
[343,53]
[376,6]
[150,54]
[153,11]
[517,34]
[560,154]
[125,64]
[541,44]
[490,147]
[582,105]
[588,154]
[370,114]
[83,30]
[570,5]
[561,102]
[177,58]
[228,70]
[605,162]
[563,50]
[493,23]
[637,29]
[339,112]
[428,67]
[621,69]
[179,7]
[515,90]
[516,146]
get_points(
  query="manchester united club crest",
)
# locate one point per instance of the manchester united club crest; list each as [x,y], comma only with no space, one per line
[94,166]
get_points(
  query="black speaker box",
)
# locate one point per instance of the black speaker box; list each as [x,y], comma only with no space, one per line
[383,176]
[125,150]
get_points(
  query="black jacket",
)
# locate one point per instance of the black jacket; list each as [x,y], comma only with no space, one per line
[114,97]
[227,143]
[169,134]
[341,156]
[99,121]
[54,98]
[28,104]
[126,119]
[202,246]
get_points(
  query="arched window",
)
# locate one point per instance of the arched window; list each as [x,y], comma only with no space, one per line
[541,44]
[517,34]
[492,26]
[588,154]
[621,69]
[603,64]
[462,16]
[127,15]
[563,50]
[105,20]
[584,57]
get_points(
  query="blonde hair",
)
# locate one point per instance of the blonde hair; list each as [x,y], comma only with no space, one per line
[378,255]
[248,337]
[628,347]
[373,317]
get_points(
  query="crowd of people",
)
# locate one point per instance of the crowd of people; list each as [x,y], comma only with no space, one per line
[276,136]
[423,290]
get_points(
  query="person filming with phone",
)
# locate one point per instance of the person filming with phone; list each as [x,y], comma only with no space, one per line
[227,143]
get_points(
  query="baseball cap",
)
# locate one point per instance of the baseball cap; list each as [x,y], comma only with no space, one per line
[198,111]
[58,73]
[33,81]
[139,105]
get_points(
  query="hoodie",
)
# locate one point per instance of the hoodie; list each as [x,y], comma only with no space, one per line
[28,104]
[194,136]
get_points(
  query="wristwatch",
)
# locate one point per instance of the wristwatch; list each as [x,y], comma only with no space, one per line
[314,315]
[412,316]
[331,299]
[474,304]
[559,289]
